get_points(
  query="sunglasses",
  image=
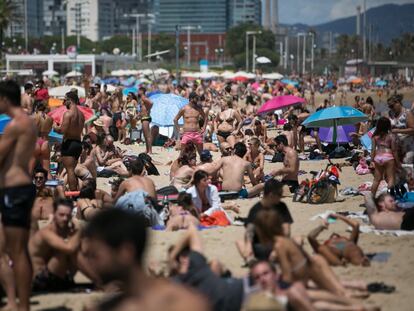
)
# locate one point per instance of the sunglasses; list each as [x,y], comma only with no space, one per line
[39,178]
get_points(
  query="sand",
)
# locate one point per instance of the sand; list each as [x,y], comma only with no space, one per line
[219,243]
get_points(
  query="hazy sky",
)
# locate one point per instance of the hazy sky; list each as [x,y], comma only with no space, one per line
[313,12]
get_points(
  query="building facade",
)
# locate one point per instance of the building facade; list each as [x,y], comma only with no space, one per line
[244,11]
[93,19]
[54,17]
[27,17]
[210,15]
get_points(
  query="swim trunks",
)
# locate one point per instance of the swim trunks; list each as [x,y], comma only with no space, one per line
[16,205]
[243,193]
[192,137]
[292,184]
[223,134]
[71,148]
[408,220]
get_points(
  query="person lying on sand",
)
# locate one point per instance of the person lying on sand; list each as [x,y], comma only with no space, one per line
[339,250]
[384,213]
[182,214]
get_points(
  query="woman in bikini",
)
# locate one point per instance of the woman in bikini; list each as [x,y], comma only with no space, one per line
[295,263]
[44,125]
[226,122]
[385,154]
[339,250]
[182,214]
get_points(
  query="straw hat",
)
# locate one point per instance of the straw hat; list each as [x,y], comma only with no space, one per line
[98,122]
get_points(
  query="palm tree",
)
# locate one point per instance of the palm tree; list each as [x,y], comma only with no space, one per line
[7,8]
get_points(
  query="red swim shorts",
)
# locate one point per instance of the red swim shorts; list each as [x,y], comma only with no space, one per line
[193,137]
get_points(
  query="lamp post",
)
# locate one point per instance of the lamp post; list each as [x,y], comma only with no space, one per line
[312,50]
[301,34]
[189,28]
[138,34]
[251,33]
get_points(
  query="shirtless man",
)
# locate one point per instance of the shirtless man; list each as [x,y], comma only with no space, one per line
[17,192]
[27,98]
[118,116]
[384,214]
[123,262]
[146,106]
[209,167]
[290,170]
[54,251]
[233,169]
[192,113]
[71,128]
[137,181]
[44,125]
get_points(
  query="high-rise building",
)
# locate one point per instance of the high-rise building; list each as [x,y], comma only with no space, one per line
[124,22]
[244,11]
[271,15]
[93,19]
[54,17]
[211,15]
[27,17]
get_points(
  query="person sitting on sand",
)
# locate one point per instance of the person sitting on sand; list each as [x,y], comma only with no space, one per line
[92,200]
[290,170]
[250,247]
[54,251]
[116,254]
[384,213]
[209,166]
[256,158]
[182,177]
[137,181]
[43,204]
[183,213]
[234,167]
[339,250]
[226,149]
[295,263]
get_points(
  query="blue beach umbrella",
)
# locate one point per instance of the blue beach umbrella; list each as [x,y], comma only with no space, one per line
[291,82]
[129,90]
[53,136]
[165,108]
[333,117]
[381,83]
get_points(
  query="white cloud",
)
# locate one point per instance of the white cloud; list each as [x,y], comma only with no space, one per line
[315,12]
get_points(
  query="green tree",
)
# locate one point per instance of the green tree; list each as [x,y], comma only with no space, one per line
[236,44]
[7,8]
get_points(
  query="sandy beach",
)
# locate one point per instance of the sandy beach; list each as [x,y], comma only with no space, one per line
[220,243]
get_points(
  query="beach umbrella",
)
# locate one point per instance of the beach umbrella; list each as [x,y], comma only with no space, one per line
[154,93]
[280,102]
[53,136]
[381,83]
[290,82]
[87,112]
[343,133]
[50,73]
[263,60]
[333,117]
[61,91]
[240,79]
[127,90]
[357,81]
[73,74]
[165,107]
[272,76]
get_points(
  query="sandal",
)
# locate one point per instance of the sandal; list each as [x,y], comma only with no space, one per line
[380,287]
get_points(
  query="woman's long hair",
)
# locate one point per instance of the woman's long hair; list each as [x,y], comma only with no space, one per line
[383,127]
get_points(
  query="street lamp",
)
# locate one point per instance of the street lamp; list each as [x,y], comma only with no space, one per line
[219,55]
[138,34]
[312,50]
[189,28]
[301,34]
[251,33]
[150,22]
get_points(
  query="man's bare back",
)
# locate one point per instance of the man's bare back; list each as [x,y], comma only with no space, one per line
[20,135]
[234,169]
[27,103]
[140,182]
[72,124]
[291,161]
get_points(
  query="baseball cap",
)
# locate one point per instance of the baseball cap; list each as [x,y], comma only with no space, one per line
[205,155]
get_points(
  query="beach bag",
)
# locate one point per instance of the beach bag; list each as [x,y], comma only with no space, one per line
[139,202]
[149,166]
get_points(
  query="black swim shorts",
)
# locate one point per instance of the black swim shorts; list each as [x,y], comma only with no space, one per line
[292,184]
[47,281]
[71,148]
[16,205]
[408,220]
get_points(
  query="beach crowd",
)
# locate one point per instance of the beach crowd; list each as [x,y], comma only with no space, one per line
[57,221]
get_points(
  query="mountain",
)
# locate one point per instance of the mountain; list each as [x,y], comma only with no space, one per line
[389,21]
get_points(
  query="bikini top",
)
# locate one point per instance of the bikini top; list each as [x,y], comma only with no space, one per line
[230,118]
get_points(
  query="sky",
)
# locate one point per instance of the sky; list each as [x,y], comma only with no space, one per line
[314,12]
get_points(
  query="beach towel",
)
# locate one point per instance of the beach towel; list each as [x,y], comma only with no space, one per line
[379,257]
[398,233]
[217,218]
[362,168]
[139,202]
